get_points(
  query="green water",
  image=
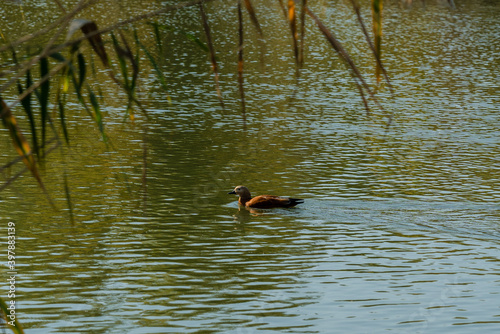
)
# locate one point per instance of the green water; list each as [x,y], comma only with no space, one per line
[400,227]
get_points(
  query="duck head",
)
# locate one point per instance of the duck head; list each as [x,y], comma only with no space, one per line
[242,191]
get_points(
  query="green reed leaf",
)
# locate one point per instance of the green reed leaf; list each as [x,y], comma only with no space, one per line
[62,117]
[97,112]
[122,55]
[188,35]
[82,72]
[26,103]
[16,327]
[240,57]
[68,198]
[20,144]
[159,73]
[44,96]
[377,34]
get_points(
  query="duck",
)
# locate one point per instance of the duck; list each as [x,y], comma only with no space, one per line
[263,201]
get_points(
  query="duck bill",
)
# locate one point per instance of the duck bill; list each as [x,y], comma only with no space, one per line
[232,192]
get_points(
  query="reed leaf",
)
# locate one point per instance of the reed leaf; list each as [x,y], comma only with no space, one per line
[77,81]
[357,10]
[154,63]
[292,20]
[156,29]
[377,34]
[26,103]
[302,32]
[283,9]
[188,35]
[97,112]
[44,96]
[134,63]
[62,90]
[57,56]
[122,55]
[337,46]
[68,198]
[196,40]
[90,30]
[253,16]
[82,72]
[16,328]
[240,57]
[20,144]
[213,59]
[125,54]
[62,118]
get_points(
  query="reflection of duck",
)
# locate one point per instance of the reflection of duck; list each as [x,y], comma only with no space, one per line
[264,201]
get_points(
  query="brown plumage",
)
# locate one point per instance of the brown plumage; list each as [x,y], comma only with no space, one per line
[264,201]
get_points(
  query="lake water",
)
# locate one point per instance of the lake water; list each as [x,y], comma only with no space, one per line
[400,228]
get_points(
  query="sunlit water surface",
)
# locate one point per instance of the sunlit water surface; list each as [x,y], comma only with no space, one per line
[399,232]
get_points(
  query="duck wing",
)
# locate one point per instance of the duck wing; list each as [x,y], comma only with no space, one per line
[269,201]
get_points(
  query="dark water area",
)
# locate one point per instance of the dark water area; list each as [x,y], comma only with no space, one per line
[399,231]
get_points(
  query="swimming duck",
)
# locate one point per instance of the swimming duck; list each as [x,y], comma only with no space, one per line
[264,201]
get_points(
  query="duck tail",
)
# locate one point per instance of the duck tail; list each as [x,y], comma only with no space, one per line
[295,201]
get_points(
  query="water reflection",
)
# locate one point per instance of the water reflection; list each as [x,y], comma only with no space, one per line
[399,231]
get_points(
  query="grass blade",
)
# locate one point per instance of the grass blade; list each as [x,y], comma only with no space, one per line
[213,59]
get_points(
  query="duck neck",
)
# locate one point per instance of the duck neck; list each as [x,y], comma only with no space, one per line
[244,198]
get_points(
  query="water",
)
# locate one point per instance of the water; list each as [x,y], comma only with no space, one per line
[400,227]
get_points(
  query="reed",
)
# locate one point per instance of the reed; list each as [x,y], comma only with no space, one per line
[16,328]
[60,70]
